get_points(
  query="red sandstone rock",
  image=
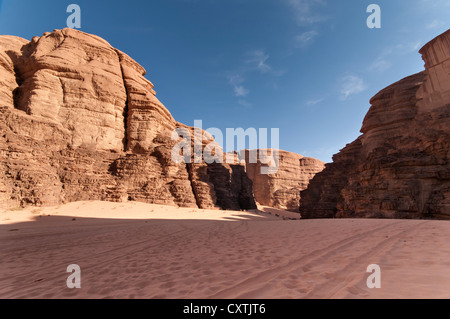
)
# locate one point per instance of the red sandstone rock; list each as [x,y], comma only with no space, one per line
[400,166]
[281,189]
[79,121]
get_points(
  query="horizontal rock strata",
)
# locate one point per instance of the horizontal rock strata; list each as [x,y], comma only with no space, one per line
[282,186]
[79,121]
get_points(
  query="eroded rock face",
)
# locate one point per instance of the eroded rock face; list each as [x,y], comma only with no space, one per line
[400,166]
[79,121]
[224,184]
[147,117]
[74,80]
[281,189]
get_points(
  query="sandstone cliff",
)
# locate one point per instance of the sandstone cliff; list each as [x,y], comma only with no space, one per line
[281,189]
[400,166]
[79,121]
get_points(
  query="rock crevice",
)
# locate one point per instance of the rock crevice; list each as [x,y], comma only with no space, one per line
[125,109]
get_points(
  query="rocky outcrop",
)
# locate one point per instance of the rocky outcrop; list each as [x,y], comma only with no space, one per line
[400,166]
[79,121]
[281,187]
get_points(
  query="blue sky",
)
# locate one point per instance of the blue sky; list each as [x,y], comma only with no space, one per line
[308,67]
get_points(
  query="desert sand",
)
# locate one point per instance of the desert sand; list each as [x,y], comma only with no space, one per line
[136,250]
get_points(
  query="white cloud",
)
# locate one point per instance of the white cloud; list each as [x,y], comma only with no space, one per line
[255,62]
[435,24]
[240,91]
[307,15]
[380,65]
[304,11]
[351,85]
[236,80]
[258,59]
[314,102]
[406,48]
[385,60]
[305,38]
[416,46]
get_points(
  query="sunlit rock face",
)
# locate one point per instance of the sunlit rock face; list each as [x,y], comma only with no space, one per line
[79,121]
[281,188]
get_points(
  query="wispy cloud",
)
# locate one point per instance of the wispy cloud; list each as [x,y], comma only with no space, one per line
[380,65]
[254,63]
[435,24]
[308,15]
[258,59]
[305,38]
[236,81]
[304,11]
[384,60]
[406,48]
[313,102]
[241,91]
[350,85]
[415,46]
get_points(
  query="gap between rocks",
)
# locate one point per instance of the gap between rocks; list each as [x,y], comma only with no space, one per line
[125,110]
[191,178]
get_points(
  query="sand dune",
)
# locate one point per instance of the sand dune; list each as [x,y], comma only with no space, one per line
[135,250]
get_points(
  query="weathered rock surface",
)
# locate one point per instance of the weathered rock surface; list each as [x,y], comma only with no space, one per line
[79,121]
[225,184]
[400,166]
[281,189]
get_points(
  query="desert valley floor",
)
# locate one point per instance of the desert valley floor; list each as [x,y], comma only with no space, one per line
[136,250]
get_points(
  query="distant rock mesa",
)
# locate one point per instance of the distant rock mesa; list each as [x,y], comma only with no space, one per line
[399,167]
[79,121]
[281,189]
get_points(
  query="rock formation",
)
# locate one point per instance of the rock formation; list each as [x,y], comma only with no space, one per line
[281,189]
[400,166]
[79,121]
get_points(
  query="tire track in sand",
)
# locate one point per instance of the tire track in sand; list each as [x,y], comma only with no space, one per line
[302,264]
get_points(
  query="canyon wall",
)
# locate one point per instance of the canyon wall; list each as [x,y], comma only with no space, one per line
[281,188]
[79,121]
[399,167]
